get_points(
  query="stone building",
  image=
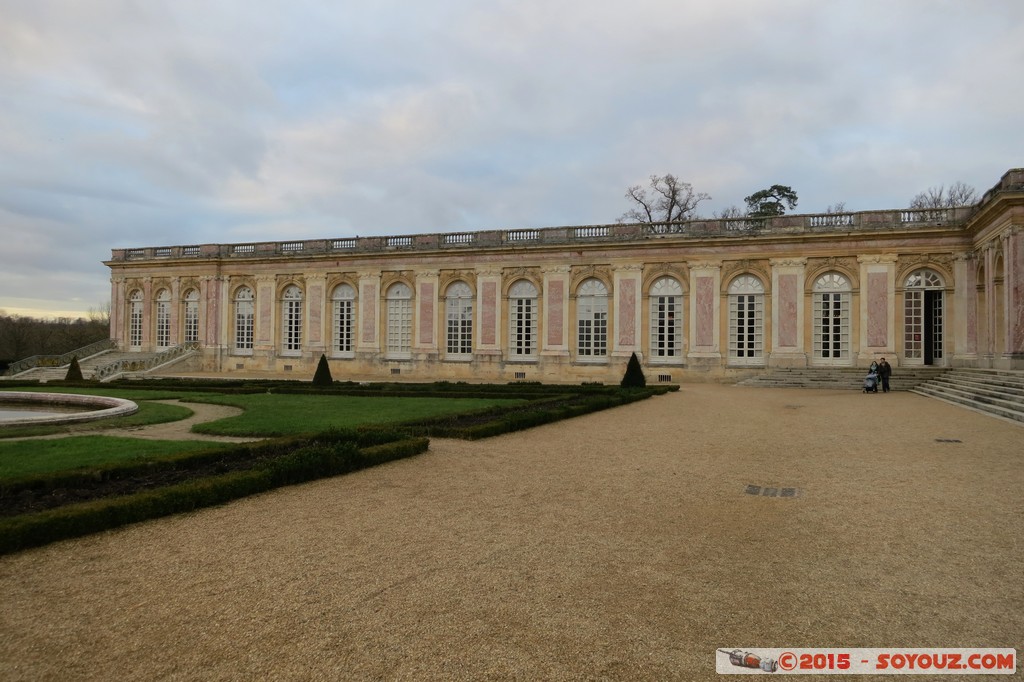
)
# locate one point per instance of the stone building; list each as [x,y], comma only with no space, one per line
[938,287]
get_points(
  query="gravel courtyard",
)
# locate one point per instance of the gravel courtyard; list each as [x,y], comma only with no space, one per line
[622,545]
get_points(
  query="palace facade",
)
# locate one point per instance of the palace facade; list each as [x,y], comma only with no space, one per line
[938,287]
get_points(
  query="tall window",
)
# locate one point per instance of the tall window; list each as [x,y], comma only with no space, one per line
[522,320]
[244,318]
[191,316]
[135,320]
[746,321]
[163,318]
[291,320]
[343,298]
[923,317]
[459,315]
[666,315]
[399,309]
[832,319]
[592,319]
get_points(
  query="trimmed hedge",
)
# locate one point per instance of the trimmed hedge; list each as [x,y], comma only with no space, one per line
[473,426]
[326,455]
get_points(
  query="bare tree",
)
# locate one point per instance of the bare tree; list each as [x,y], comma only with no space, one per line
[838,207]
[958,194]
[670,200]
[731,212]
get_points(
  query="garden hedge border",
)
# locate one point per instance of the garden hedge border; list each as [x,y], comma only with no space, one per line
[328,454]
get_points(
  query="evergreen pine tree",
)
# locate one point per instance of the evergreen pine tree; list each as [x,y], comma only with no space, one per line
[634,376]
[323,373]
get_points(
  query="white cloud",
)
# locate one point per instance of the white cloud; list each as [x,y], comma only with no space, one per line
[125,123]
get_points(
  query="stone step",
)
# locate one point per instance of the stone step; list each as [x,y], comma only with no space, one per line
[996,392]
[972,384]
[1012,413]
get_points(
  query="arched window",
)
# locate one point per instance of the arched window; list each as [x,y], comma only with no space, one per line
[343,300]
[832,319]
[459,315]
[666,315]
[923,317]
[191,316]
[522,320]
[163,318]
[244,304]
[135,320]
[592,319]
[399,320]
[746,321]
[291,320]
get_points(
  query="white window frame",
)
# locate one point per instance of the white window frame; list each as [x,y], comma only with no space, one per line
[162,318]
[831,319]
[458,307]
[592,321]
[245,319]
[191,316]
[343,300]
[398,342]
[522,321]
[746,321]
[135,310]
[291,321]
[665,314]
[914,287]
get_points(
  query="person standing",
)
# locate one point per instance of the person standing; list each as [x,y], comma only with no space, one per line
[884,372]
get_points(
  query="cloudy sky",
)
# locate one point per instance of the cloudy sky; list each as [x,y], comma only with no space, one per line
[152,123]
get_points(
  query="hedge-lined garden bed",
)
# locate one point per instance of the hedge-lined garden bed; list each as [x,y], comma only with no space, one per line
[38,510]
[45,508]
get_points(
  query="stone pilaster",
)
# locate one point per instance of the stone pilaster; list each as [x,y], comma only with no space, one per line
[489,312]
[788,313]
[877,314]
[429,307]
[369,297]
[705,312]
[555,339]
[628,285]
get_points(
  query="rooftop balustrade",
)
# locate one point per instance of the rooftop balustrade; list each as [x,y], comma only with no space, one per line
[861,221]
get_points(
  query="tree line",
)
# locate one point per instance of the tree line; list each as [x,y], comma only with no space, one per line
[22,336]
[667,199]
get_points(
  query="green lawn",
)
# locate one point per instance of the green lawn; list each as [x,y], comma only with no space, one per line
[32,457]
[270,415]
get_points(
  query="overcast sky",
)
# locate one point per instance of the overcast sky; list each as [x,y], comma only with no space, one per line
[146,123]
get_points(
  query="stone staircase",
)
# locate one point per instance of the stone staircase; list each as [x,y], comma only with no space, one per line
[112,364]
[992,391]
[903,378]
[90,366]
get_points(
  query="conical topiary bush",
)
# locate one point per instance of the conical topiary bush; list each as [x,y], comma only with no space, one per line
[323,373]
[74,371]
[634,376]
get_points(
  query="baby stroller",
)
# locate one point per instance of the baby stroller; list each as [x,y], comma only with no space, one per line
[871,383]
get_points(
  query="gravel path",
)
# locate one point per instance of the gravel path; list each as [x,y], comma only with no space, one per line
[620,545]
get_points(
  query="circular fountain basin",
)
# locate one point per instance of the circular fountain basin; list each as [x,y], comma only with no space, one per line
[25,408]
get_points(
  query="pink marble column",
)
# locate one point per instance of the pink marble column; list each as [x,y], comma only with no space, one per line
[878,309]
[627,312]
[789,302]
[426,301]
[555,303]
[705,303]
[489,294]
[368,313]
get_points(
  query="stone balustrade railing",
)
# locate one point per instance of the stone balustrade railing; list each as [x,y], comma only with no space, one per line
[142,364]
[60,360]
[728,227]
